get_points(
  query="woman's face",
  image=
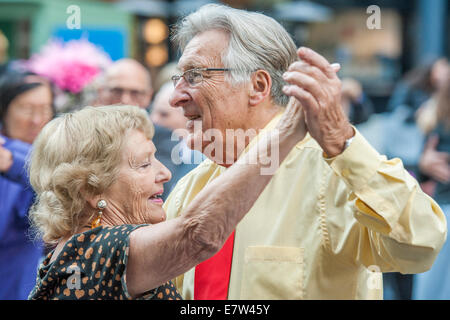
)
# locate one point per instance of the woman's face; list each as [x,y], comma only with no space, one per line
[28,113]
[134,198]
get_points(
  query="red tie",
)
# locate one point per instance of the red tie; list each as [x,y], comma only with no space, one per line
[213,275]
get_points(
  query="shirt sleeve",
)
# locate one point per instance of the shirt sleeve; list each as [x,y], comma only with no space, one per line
[172,207]
[397,228]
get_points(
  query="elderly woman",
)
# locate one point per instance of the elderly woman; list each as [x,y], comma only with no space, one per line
[98,185]
[26,105]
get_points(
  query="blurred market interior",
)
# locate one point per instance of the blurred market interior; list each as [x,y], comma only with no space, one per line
[412,32]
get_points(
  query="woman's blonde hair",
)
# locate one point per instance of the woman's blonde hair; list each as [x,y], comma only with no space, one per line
[75,155]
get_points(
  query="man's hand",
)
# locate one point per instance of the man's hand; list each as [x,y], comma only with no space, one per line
[6,159]
[434,163]
[313,81]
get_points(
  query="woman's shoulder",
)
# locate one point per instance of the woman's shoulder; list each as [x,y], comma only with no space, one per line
[103,233]
[89,245]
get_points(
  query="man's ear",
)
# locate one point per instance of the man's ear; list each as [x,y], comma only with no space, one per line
[260,86]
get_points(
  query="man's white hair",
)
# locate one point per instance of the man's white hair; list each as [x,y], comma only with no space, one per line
[256,42]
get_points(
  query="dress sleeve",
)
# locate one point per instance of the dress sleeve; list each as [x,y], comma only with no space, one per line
[391,224]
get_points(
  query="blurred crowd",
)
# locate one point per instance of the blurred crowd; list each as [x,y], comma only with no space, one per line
[415,128]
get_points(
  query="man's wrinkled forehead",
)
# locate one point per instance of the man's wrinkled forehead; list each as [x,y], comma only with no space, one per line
[204,50]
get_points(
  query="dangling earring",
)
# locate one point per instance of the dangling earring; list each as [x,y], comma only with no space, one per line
[97,221]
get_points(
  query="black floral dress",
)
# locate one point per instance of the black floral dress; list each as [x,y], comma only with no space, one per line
[92,265]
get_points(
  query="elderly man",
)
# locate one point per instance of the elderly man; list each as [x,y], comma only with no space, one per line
[127,81]
[336,213]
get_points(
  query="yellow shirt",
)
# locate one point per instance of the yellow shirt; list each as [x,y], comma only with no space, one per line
[324,228]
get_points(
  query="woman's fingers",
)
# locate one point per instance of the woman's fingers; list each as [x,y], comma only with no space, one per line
[336,67]
[304,97]
[315,59]
[307,83]
[314,82]
[292,123]
[306,68]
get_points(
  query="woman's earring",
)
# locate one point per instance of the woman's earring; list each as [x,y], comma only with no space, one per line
[97,221]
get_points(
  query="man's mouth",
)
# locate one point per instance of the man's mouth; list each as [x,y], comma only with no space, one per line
[193,117]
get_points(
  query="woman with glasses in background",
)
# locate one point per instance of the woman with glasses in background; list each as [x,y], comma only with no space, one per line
[26,105]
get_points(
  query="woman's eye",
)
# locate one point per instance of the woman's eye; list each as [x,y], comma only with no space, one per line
[145,165]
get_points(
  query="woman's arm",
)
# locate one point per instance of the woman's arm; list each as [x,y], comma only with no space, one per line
[163,251]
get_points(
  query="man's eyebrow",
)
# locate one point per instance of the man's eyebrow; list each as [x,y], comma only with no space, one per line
[189,67]
[193,64]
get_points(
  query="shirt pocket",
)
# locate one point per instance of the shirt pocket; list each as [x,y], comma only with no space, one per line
[272,273]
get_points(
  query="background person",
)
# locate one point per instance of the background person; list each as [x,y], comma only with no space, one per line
[418,85]
[26,105]
[409,122]
[435,164]
[163,114]
[126,81]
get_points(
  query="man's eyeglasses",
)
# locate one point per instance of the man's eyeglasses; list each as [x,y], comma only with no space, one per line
[194,76]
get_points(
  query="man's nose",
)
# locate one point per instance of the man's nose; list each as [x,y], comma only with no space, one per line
[127,99]
[179,96]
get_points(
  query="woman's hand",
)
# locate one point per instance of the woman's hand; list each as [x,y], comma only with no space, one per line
[292,122]
[6,159]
